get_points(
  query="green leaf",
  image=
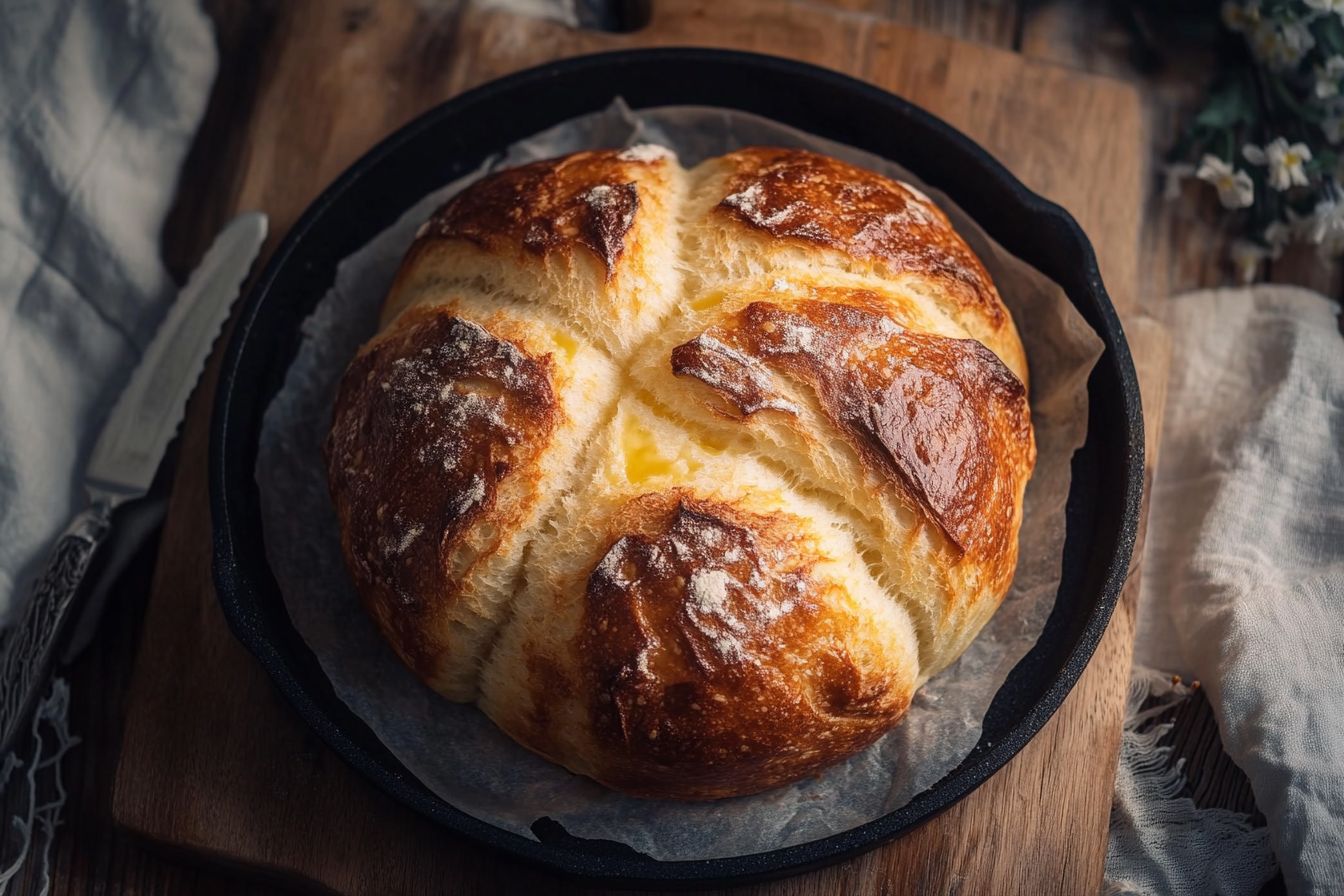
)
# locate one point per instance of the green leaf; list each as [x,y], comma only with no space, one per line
[1329,33]
[1227,108]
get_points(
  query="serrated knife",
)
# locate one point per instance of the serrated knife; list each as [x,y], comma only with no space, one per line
[125,458]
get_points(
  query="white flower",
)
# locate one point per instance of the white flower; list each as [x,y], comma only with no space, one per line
[1299,228]
[1327,78]
[1238,17]
[1298,37]
[1327,224]
[1235,189]
[1333,125]
[1280,46]
[1285,162]
[1332,122]
[1246,258]
[1278,235]
[1172,176]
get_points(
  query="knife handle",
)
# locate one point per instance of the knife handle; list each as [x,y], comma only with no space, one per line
[29,648]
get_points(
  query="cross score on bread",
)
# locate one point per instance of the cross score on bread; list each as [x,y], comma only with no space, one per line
[689,479]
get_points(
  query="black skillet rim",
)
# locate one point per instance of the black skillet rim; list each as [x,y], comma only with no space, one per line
[470,127]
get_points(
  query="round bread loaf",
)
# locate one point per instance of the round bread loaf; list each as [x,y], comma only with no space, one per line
[690,478]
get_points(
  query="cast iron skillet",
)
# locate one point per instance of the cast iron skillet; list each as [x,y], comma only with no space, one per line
[455,138]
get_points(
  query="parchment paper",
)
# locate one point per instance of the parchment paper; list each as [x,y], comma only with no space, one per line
[455,750]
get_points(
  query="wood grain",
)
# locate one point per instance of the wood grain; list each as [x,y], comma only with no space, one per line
[394,60]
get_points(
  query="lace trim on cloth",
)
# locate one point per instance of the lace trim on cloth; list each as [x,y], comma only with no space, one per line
[1160,843]
[35,818]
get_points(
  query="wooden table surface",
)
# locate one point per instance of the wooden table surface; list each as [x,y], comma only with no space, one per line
[1182,247]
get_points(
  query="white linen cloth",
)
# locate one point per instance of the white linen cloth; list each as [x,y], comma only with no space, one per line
[1243,580]
[1161,844]
[99,101]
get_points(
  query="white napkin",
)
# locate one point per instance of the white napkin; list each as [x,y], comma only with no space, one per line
[1243,576]
[99,100]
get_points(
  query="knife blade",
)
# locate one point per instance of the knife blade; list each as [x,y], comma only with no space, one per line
[125,458]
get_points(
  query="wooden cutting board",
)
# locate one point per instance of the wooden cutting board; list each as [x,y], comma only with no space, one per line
[214,763]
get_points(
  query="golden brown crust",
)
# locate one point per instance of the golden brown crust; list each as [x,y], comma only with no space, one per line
[586,199]
[943,418]
[714,663]
[428,425]
[728,632]
[814,200]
